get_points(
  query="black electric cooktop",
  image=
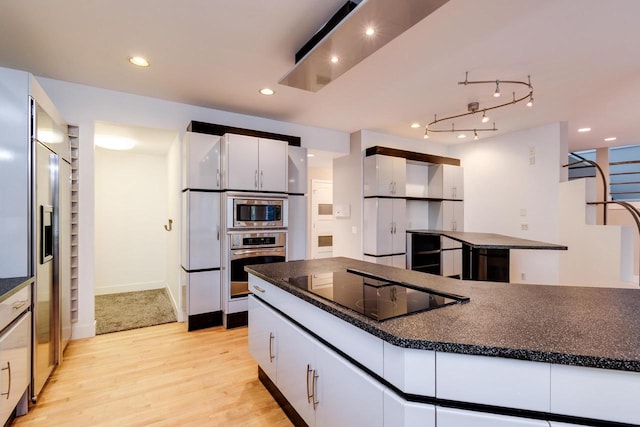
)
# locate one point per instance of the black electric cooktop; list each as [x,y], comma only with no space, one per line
[377,298]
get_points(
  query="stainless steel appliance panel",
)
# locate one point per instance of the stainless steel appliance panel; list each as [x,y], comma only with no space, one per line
[257,212]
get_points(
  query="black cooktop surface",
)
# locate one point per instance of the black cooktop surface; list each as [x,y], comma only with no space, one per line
[377,298]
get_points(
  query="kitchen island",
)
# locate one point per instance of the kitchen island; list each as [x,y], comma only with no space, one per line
[485,256]
[513,355]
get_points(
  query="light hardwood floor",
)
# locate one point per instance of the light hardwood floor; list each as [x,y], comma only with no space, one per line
[157,376]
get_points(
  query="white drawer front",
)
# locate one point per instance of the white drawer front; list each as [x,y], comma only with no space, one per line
[14,305]
[493,381]
[448,417]
[595,393]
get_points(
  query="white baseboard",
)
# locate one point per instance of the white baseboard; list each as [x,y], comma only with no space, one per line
[83,330]
[129,287]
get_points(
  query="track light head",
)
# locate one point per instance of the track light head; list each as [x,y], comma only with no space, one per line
[485,118]
[496,94]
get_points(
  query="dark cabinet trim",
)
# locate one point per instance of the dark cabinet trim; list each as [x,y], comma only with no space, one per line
[412,155]
[216,129]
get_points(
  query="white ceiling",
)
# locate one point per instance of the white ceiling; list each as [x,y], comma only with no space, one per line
[582,56]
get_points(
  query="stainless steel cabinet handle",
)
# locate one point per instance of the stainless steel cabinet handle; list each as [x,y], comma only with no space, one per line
[391,187]
[261,179]
[217,232]
[258,288]
[255,179]
[314,387]
[19,304]
[309,393]
[9,382]
[218,178]
[271,356]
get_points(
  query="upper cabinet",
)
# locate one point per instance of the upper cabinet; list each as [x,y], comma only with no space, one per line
[446,182]
[385,176]
[201,157]
[255,164]
[297,170]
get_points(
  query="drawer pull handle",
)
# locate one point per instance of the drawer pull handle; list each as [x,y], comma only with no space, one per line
[314,387]
[258,288]
[309,393]
[19,304]
[9,382]
[271,356]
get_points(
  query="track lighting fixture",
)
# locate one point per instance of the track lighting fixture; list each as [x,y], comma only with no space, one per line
[473,107]
[496,94]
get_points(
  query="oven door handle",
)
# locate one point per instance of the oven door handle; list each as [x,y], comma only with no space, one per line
[249,253]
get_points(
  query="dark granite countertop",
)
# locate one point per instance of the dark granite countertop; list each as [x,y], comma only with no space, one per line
[11,285]
[570,325]
[491,240]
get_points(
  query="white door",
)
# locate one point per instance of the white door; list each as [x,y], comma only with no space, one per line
[242,162]
[321,219]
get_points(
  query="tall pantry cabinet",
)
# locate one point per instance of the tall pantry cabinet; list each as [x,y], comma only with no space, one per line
[201,230]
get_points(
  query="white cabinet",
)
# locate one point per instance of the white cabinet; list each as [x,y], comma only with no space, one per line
[201,162]
[263,337]
[202,291]
[493,381]
[451,262]
[200,230]
[297,170]
[255,164]
[401,413]
[447,215]
[15,365]
[410,370]
[399,261]
[384,226]
[323,388]
[446,182]
[384,176]
[595,393]
[297,228]
[449,417]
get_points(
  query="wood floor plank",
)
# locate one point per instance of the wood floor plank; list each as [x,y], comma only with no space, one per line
[157,376]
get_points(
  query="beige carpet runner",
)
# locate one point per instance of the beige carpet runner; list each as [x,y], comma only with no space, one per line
[131,310]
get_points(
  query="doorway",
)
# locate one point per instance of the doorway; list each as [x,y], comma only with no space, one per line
[321,218]
[136,219]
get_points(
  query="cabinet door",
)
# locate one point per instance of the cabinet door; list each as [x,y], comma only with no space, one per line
[384,176]
[345,395]
[297,170]
[241,162]
[452,215]
[201,161]
[295,369]
[263,343]
[451,262]
[399,234]
[378,226]
[203,292]
[448,417]
[272,165]
[202,230]
[15,365]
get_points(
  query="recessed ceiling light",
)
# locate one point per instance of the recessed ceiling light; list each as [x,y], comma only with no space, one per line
[370,31]
[613,138]
[310,155]
[462,136]
[111,142]
[584,130]
[334,59]
[267,91]
[415,125]
[139,61]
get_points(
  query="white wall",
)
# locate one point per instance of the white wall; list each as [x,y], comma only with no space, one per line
[174,200]
[617,215]
[131,208]
[512,180]
[84,105]
[371,139]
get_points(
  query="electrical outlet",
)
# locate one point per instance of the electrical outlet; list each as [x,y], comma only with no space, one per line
[523,276]
[524,227]
[523,212]
[532,160]
[354,230]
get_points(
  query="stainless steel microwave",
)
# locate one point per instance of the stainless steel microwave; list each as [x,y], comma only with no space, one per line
[257,212]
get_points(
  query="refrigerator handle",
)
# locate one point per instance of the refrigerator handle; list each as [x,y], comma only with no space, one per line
[46,233]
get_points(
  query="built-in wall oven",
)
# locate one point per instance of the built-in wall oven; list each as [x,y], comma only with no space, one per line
[249,248]
[256,211]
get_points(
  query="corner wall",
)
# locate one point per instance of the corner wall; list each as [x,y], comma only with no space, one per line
[512,188]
